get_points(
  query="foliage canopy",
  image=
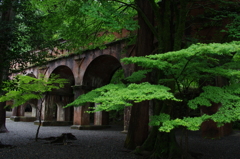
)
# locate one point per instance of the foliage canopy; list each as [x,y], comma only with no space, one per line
[85,24]
[24,88]
[22,39]
[189,68]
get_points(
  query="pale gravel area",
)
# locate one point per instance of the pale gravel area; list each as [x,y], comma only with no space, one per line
[99,144]
[90,144]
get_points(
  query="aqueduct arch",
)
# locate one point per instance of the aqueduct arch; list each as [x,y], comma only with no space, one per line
[53,111]
[19,113]
[85,71]
[98,73]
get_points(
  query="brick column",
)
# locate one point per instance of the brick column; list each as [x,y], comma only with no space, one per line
[127,115]
[80,116]
[101,118]
[209,128]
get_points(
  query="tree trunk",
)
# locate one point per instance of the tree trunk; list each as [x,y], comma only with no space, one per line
[171,25]
[3,128]
[39,118]
[6,18]
[138,125]
[3,77]
[161,144]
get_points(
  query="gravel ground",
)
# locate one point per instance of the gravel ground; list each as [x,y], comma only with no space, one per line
[99,144]
[227,147]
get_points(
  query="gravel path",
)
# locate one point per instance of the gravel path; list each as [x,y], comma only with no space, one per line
[227,147]
[99,144]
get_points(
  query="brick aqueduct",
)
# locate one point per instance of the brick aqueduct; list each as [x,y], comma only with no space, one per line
[91,69]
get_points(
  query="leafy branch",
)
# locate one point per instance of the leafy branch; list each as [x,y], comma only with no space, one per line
[24,88]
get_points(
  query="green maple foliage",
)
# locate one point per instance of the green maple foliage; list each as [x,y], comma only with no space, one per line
[85,24]
[186,67]
[24,88]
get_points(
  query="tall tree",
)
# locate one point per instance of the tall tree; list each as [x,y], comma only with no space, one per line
[20,35]
[6,17]
[138,129]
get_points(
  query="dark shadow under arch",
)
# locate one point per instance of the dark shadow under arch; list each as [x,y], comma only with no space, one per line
[57,99]
[100,71]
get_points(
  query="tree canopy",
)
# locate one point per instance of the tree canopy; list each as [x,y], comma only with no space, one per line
[85,24]
[22,37]
[186,67]
[22,42]
[24,88]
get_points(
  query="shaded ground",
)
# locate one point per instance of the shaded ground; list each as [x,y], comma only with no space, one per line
[106,144]
[225,148]
[99,144]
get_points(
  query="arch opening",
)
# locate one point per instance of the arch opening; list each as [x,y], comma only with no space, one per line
[99,73]
[28,110]
[57,99]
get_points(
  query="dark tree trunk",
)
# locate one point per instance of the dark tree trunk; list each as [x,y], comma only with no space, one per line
[2,109]
[6,18]
[3,77]
[3,128]
[138,125]
[157,144]
[162,144]
[39,118]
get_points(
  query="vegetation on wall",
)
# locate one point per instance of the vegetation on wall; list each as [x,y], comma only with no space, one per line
[85,24]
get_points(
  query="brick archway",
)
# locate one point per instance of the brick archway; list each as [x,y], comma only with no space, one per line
[19,113]
[88,70]
[53,111]
[98,73]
